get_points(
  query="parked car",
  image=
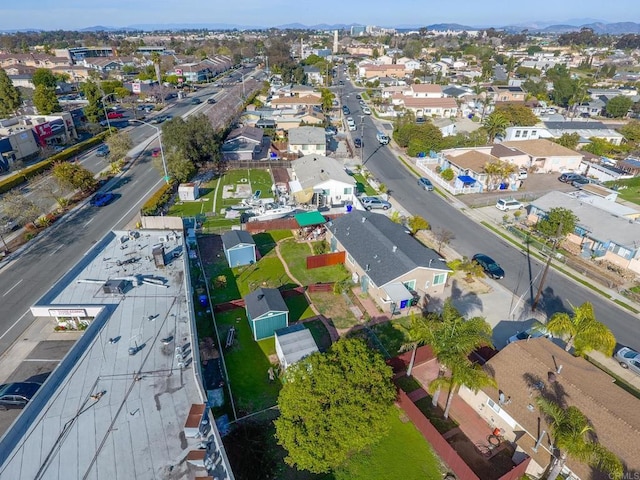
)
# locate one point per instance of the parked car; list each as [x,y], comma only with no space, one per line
[211,100]
[568,177]
[382,138]
[114,115]
[420,120]
[331,130]
[155,152]
[366,110]
[17,394]
[425,183]
[346,110]
[358,96]
[357,142]
[536,331]
[102,151]
[628,358]
[523,175]
[102,199]
[582,180]
[506,204]
[489,265]
[370,203]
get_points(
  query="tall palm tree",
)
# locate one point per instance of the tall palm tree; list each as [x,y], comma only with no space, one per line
[570,432]
[582,331]
[450,336]
[463,372]
[495,124]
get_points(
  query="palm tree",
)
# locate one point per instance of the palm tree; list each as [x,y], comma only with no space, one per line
[570,432]
[495,124]
[582,331]
[450,336]
[463,372]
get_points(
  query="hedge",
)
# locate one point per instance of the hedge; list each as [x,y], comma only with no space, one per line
[158,199]
[31,171]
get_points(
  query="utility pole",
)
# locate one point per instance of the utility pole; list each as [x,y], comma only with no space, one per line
[361,139]
[546,268]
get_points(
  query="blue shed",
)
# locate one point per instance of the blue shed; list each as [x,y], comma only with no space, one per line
[239,248]
[266,312]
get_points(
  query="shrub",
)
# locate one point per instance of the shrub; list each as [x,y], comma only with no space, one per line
[158,199]
[447,174]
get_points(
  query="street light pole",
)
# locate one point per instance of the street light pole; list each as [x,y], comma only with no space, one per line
[361,139]
[164,162]
[106,116]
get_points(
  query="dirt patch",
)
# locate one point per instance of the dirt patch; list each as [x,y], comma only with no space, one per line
[469,284]
[210,248]
[334,307]
[485,468]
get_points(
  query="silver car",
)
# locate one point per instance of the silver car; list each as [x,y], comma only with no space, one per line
[374,202]
[628,358]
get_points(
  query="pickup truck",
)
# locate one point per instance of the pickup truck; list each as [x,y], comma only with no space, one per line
[382,138]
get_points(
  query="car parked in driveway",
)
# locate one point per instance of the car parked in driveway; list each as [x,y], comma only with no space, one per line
[568,177]
[371,203]
[581,181]
[489,265]
[628,358]
[506,204]
[102,199]
[357,142]
[535,331]
[425,183]
[17,394]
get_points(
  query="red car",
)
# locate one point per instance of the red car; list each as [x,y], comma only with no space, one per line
[155,152]
[114,115]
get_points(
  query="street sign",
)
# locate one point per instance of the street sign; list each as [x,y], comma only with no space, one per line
[167,178]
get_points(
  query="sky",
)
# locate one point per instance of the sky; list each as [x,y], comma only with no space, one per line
[78,14]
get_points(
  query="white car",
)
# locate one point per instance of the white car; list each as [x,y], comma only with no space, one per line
[536,331]
[366,110]
[506,204]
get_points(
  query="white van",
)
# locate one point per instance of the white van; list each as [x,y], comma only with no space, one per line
[382,138]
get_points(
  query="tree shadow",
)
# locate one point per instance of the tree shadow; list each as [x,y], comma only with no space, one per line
[550,303]
[465,302]
[265,242]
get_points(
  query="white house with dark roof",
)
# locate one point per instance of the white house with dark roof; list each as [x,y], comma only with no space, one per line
[321,181]
[394,268]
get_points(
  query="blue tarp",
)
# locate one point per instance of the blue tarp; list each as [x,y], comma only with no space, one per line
[466,179]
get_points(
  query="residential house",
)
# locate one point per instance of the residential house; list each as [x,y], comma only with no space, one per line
[390,265]
[430,107]
[605,171]
[546,156]
[293,344]
[515,134]
[528,369]
[321,181]
[505,93]
[314,75]
[306,101]
[102,64]
[239,248]
[586,130]
[410,65]
[423,90]
[630,165]
[605,229]
[307,141]
[266,312]
[468,166]
[244,143]
[369,71]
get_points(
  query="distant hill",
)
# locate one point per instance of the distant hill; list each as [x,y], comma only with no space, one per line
[600,28]
[443,27]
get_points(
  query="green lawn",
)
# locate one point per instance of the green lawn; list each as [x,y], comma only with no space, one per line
[266,241]
[393,334]
[403,453]
[363,186]
[296,253]
[268,272]
[248,364]
[628,189]
[298,308]
[335,308]
[320,334]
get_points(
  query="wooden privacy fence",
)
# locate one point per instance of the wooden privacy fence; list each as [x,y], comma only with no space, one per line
[320,287]
[326,259]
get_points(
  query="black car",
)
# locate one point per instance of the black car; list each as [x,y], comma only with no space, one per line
[211,100]
[17,394]
[488,264]
[568,177]
[358,96]
[357,142]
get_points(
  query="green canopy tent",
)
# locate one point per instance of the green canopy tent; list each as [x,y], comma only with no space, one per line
[310,219]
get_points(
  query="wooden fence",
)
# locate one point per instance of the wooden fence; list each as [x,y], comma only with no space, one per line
[320,287]
[326,259]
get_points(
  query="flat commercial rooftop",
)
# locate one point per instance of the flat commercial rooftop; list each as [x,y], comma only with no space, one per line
[116,405]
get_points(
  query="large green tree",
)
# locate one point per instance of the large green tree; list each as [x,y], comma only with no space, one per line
[569,140]
[194,138]
[618,106]
[10,97]
[582,331]
[73,176]
[451,337]
[178,166]
[495,124]
[573,436]
[418,138]
[45,100]
[334,405]
[631,131]
[92,93]
[518,115]
[44,77]
[557,217]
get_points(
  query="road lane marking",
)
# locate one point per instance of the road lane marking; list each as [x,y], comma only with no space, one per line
[87,223]
[56,250]
[8,291]
[14,324]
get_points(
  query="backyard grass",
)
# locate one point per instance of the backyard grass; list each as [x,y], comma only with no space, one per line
[435,415]
[268,272]
[320,334]
[630,190]
[299,308]
[334,307]
[266,241]
[393,334]
[296,253]
[403,453]
[248,364]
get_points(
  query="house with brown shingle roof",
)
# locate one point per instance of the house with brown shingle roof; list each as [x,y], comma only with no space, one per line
[546,156]
[527,369]
[469,163]
[431,107]
[296,101]
[424,90]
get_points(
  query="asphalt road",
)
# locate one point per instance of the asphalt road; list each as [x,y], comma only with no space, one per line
[523,273]
[29,276]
